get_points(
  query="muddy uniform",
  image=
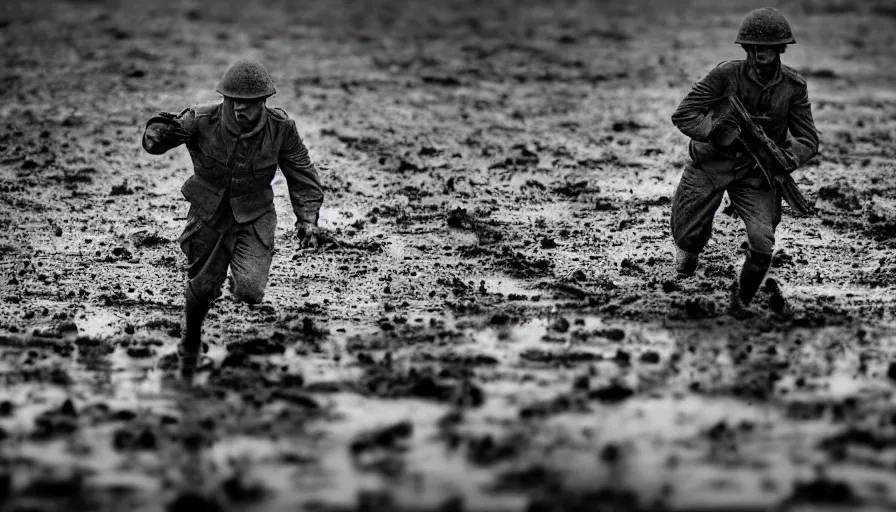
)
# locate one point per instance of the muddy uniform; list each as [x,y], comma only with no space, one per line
[784,103]
[231,221]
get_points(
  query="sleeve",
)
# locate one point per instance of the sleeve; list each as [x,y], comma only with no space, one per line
[802,141]
[166,130]
[694,116]
[305,191]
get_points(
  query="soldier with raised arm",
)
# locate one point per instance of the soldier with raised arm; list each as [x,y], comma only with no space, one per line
[777,100]
[236,147]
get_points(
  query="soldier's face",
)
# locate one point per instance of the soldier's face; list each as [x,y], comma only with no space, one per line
[765,55]
[247,112]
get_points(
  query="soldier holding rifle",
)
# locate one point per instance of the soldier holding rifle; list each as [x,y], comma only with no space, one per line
[750,124]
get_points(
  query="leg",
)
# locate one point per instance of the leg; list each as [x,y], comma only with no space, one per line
[759,206]
[694,205]
[208,254]
[253,252]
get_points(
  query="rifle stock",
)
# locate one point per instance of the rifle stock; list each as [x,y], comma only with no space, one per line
[774,163]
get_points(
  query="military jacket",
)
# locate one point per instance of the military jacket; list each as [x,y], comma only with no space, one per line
[783,100]
[239,167]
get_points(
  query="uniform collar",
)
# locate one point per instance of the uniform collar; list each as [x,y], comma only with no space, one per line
[233,128]
[753,75]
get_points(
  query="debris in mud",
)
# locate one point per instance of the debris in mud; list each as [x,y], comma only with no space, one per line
[696,307]
[382,438]
[562,357]
[574,190]
[823,491]
[613,393]
[555,499]
[548,243]
[240,489]
[561,324]
[627,126]
[276,344]
[450,386]
[567,402]
[486,450]
[575,291]
[521,265]
[650,357]
[190,502]
[126,439]
[53,423]
[842,195]
[459,218]
[858,437]
[121,189]
[145,239]
[499,318]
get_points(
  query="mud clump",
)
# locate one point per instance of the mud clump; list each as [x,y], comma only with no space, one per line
[56,422]
[564,403]
[486,234]
[387,438]
[575,189]
[696,307]
[560,358]
[842,195]
[259,346]
[650,357]
[126,439]
[613,393]
[149,240]
[824,491]
[121,190]
[486,450]
[189,502]
[239,489]
[445,386]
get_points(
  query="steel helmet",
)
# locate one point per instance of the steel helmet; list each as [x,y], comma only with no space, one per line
[765,26]
[246,79]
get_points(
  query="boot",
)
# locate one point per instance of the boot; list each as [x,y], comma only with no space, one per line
[685,262]
[755,267]
[736,307]
[194,314]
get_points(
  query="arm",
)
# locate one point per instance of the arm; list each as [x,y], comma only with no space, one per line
[803,140]
[694,116]
[166,130]
[305,191]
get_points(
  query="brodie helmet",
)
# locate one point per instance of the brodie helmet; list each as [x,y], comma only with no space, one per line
[765,26]
[246,79]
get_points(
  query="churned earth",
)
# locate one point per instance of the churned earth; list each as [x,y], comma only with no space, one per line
[492,323]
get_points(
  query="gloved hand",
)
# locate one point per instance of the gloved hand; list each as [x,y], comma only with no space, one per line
[724,132]
[308,234]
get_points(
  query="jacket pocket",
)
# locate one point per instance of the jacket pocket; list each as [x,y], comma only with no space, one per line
[190,230]
[249,207]
[265,228]
[201,195]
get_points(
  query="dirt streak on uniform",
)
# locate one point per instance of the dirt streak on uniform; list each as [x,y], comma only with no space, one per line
[781,105]
[231,221]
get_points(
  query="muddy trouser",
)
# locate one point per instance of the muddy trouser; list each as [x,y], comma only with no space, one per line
[211,248]
[699,195]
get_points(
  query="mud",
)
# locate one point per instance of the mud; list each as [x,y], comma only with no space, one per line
[492,322]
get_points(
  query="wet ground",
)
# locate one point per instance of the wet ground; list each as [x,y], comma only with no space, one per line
[493,324]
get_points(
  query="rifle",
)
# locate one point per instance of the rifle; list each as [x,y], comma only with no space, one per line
[775,164]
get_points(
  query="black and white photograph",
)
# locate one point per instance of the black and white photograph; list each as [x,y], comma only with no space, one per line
[447,255]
